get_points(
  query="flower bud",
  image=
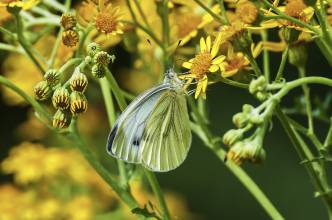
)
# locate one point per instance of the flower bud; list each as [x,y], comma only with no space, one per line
[102,58]
[42,91]
[240,120]
[78,81]
[52,77]
[60,98]
[235,154]
[246,108]
[61,119]
[258,84]
[253,150]
[68,21]
[98,71]
[232,136]
[70,38]
[298,55]
[93,49]
[78,103]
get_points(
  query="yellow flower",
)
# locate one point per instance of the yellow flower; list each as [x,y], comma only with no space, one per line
[203,63]
[296,9]
[80,208]
[236,62]
[26,162]
[108,21]
[19,3]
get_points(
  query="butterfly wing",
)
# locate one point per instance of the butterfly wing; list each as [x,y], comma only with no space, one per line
[124,140]
[167,136]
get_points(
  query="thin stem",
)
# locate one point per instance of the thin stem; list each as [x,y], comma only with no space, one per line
[266,57]
[306,92]
[205,135]
[328,139]
[101,170]
[108,100]
[11,48]
[116,90]
[147,31]
[223,11]
[140,11]
[8,33]
[294,20]
[26,97]
[51,21]
[55,5]
[282,63]
[218,18]
[253,63]
[313,169]
[55,49]
[159,194]
[83,37]
[69,64]
[24,43]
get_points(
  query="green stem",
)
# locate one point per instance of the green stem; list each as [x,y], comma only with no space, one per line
[11,48]
[147,31]
[294,20]
[23,42]
[108,100]
[314,169]
[101,170]
[69,64]
[253,63]
[140,11]
[266,57]
[159,194]
[205,135]
[218,18]
[26,97]
[328,139]
[282,63]
[306,92]
[55,49]
[116,90]
[223,11]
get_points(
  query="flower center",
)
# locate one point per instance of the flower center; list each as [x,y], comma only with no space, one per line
[295,9]
[201,64]
[247,12]
[106,23]
[236,62]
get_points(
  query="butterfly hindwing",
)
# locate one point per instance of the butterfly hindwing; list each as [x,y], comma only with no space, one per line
[124,140]
[167,137]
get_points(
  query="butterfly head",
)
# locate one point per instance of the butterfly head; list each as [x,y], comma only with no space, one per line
[172,77]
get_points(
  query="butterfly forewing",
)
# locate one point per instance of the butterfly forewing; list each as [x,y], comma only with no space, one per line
[167,137]
[124,141]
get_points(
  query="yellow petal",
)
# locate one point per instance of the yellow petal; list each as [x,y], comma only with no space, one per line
[214,68]
[208,43]
[229,73]
[216,45]
[204,84]
[198,90]
[187,65]
[202,44]
[218,59]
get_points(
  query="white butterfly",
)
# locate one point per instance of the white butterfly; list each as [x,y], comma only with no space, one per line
[154,129]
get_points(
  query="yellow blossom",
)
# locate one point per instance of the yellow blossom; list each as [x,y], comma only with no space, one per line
[203,63]
[108,21]
[25,5]
[296,9]
[80,208]
[236,62]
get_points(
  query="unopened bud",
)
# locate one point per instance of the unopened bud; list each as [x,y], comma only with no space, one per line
[42,91]
[98,71]
[232,136]
[78,103]
[60,98]
[78,81]
[52,77]
[61,119]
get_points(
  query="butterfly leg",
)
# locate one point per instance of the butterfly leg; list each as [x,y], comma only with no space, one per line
[190,92]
